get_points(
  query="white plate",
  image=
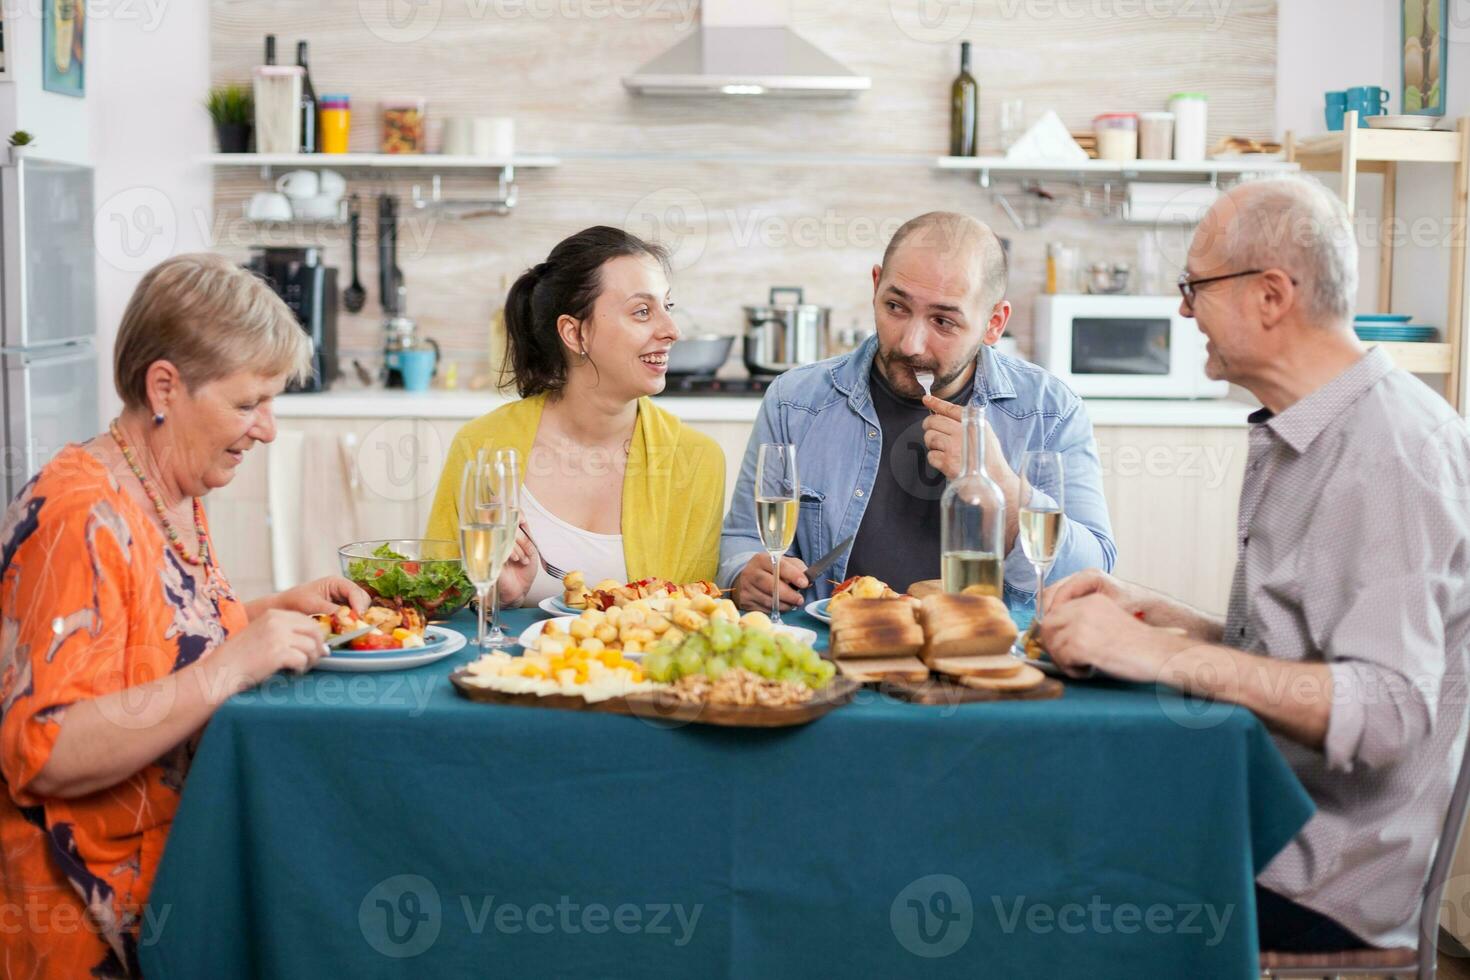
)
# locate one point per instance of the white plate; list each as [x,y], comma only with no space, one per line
[365,662]
[818,610]
[528,636]
[1404,122]
[553,604]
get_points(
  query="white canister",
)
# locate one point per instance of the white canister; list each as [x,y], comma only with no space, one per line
[278,108]
[1191,119]
[495,137]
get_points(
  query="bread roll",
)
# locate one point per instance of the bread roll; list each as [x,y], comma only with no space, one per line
[1023,680]
[875,628]
[929,586]
[868,670]
[999,665]
[965,626]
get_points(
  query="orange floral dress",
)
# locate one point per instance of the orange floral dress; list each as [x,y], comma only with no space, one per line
[92,601]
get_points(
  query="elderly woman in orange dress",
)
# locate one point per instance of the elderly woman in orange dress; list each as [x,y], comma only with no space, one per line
[119,633]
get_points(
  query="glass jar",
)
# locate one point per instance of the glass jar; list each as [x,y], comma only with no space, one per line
[1191,115]
[1156,135]
[1117,136]
[334,122]
[403,125]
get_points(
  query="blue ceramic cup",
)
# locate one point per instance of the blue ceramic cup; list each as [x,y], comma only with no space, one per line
[1336,106]
[417,367]
[1366,100]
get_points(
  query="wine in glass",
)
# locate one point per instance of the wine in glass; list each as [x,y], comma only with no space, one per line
[489,515]
[1040,517]
[777,504]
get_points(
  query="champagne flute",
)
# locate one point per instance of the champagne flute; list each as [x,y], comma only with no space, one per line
[511,461]
[489,516]
[777,503]
[1040,516]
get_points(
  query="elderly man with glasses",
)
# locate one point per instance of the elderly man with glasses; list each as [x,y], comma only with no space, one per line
[1349,615]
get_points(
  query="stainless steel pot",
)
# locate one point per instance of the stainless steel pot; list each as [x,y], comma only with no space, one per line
[701,354]
[780,336]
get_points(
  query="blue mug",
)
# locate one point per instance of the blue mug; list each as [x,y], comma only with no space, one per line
[1366,100]
[417,367]
[1336,106]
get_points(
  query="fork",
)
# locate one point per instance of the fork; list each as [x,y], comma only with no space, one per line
[546,566]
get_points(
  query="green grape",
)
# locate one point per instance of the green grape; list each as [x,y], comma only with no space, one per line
[808,659]
[697,644]
[751,658]
[716,666]
[772,665]
[768,644]
[787,643]
[822,673]
[659,666]
[722,636]
[688,660]
[792,675]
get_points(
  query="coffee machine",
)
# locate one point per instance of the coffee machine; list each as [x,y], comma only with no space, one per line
[309,288]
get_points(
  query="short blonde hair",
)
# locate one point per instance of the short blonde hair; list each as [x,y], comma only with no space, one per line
[209,318]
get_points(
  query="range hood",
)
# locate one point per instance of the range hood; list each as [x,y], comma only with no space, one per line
[746,47]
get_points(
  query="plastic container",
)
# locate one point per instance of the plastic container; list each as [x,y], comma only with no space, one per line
[1117,136]
[277,90]
[1191,122]
[334,122]
[1156,135]
[403,126]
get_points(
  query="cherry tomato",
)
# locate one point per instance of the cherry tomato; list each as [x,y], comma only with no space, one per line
[411,567]
[375,641]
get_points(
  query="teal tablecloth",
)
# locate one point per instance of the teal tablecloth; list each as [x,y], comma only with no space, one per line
[343,825]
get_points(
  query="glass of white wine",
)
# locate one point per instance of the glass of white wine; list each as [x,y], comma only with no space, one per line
[777,504]
[1040,515]
[489,515]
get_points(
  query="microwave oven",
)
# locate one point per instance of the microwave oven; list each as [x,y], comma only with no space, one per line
[1123,347]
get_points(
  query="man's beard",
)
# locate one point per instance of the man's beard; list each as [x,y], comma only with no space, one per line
[905,383]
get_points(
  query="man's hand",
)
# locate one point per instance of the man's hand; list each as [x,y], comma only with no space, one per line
[1095,631]
[754,583]
[944,433]
[1157,608]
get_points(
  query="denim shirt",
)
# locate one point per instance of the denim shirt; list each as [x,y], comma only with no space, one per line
[826,411]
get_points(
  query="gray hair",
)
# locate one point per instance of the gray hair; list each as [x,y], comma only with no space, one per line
[1294,223]
[209,318]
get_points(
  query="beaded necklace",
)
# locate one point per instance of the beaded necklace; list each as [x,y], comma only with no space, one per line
[169,531]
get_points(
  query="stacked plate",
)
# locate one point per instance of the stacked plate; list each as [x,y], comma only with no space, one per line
[1392,328]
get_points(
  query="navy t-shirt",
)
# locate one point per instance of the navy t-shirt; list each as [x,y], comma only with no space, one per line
[898,540]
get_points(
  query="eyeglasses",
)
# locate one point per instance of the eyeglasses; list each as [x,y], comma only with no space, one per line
[1188,286]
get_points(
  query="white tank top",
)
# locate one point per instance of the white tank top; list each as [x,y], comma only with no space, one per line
[570,548]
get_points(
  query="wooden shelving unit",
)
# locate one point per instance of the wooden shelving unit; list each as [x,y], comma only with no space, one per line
[1380,151]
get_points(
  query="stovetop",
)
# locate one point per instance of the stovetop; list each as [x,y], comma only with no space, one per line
[710,386]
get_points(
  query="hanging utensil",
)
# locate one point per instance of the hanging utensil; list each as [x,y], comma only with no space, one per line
[390,277]
[354,297]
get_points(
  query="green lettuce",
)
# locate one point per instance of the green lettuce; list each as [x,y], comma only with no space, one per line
[430,585]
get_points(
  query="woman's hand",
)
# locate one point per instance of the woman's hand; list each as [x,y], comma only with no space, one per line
[321,596]
[277,639]
[520,570]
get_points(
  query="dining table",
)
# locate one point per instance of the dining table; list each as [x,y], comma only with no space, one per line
[364,824]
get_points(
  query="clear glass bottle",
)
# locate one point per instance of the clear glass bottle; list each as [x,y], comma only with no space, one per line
[972,519]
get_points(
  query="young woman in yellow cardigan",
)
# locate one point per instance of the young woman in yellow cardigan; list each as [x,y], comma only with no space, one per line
[614,486]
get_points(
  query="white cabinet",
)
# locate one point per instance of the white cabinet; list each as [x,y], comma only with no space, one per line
[1172,493]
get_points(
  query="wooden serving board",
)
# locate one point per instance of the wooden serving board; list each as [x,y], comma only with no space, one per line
[937,691]
[661,707]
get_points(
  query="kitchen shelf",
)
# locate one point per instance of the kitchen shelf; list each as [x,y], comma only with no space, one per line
[1124,170]
[378,161]
[1356,150]
[1418,358]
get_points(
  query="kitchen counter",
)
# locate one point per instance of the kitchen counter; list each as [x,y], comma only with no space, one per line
[360,403]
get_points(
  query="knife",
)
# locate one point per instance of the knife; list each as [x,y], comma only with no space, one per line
[825,562]
[342,639]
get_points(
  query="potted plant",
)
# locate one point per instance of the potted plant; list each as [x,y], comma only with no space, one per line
[20,144]
[232,108]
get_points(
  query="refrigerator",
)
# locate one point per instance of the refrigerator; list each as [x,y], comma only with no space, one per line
[48,314]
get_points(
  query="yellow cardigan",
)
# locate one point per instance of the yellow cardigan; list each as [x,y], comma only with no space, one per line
[673,489]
